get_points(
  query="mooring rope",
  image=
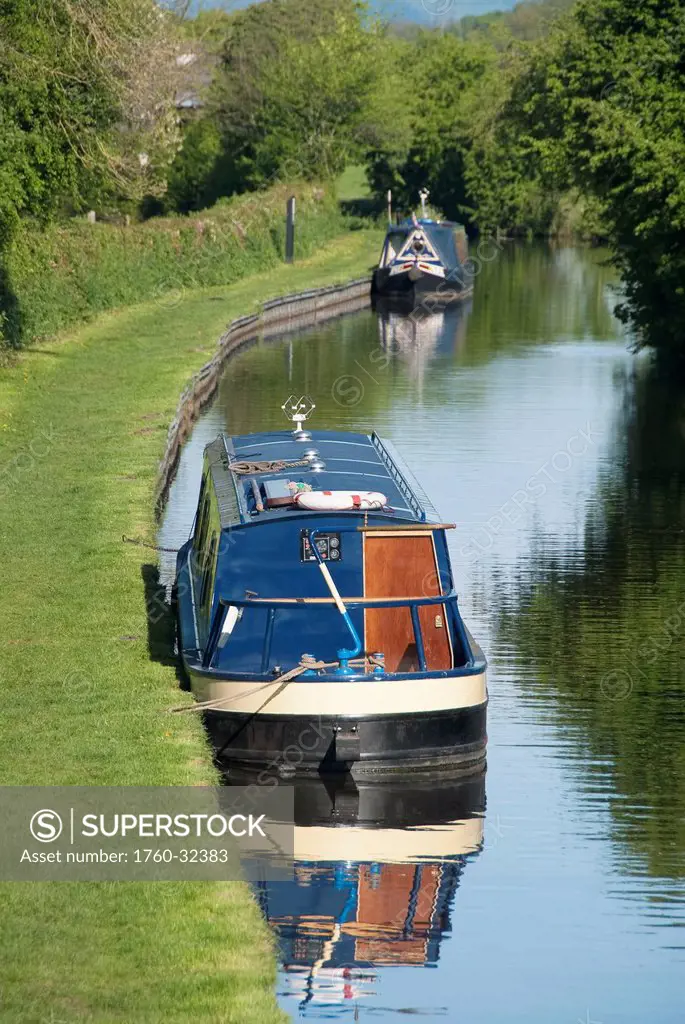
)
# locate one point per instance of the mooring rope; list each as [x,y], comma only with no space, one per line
[307,662]
[144,544]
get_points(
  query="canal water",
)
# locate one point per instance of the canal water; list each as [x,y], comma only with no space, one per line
[553,891]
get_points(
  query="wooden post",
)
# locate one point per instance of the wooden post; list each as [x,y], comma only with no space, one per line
[290,231]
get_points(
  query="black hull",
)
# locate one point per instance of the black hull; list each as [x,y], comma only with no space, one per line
[414,287]
[452,741]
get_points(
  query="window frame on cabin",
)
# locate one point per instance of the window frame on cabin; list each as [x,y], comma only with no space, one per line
[202,526]
[209,572]
[201,503]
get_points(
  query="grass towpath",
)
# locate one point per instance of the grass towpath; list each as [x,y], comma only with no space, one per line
[83,424]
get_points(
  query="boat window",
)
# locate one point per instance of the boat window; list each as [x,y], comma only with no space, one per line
[461,244]
[208,572]
[201,502]
[397,239]
[393,244]
[200,541]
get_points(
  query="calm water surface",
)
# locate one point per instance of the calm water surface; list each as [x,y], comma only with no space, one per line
[561,457]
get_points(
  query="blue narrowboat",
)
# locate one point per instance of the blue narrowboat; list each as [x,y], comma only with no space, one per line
[317,616]
[424,260]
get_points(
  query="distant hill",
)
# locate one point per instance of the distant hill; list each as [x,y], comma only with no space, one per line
[527,20]
[417,12]
[435,12]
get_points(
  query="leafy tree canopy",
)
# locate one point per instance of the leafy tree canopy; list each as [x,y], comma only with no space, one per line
[86,103]
[294,93]
[602,105]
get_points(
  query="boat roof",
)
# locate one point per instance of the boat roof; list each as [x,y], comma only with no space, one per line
[352,462]
[405,226]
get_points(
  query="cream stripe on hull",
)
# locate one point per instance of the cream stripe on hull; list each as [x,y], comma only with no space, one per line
[356,700]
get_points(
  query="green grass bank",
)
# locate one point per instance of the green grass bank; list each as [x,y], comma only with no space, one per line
[83,424]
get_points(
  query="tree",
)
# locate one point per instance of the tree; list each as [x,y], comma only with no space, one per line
[602,102]
[317,94]
[191,182]
[435,75]
[526,21]
[294,89]
[502,170]
[86,103]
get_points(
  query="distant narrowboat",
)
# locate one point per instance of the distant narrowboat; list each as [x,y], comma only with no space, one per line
[424,259]
[317,617]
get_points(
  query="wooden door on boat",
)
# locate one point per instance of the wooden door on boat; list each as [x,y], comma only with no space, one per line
[404,565]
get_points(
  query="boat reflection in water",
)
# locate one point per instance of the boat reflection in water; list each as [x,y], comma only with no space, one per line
[375,876]
[419,334]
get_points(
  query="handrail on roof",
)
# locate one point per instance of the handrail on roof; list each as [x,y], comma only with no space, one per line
[407,483]
[351,602]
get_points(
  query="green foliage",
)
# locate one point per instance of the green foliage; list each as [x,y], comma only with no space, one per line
[64,274]
[211,27]
[579,133]
[85,89]
[453,139]
[456,135]
[602,106]
[294,90]
[192,181]
[428,144]
[39,108]
[536,121]
[316,92]
[501,172]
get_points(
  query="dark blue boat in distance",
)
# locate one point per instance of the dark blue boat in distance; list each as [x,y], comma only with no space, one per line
[424,260]
[318,621]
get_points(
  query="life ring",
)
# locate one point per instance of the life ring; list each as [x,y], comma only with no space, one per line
[340,501]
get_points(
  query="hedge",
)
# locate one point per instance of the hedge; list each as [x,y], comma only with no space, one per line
[53,278]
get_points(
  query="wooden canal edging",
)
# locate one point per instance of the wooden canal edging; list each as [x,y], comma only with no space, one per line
[277,317]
